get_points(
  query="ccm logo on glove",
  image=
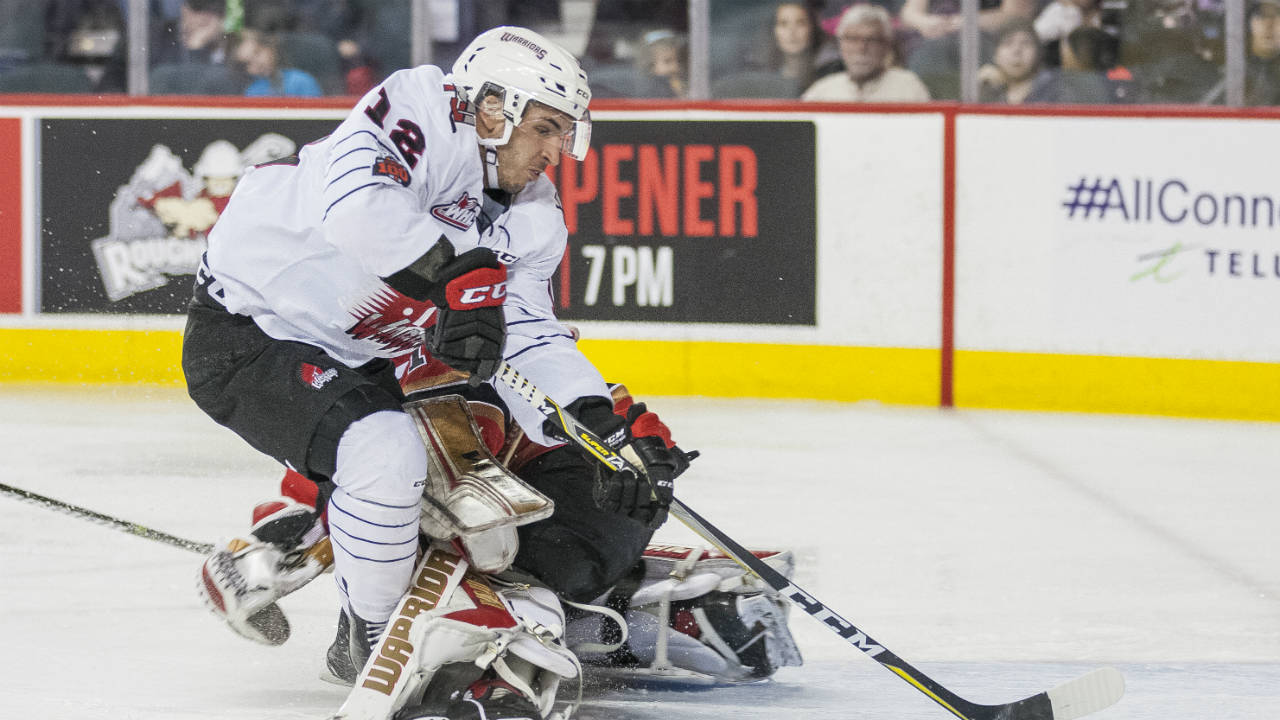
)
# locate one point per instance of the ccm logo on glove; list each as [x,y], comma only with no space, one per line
[484,287]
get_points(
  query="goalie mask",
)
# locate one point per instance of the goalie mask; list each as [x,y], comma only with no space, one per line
[517,65]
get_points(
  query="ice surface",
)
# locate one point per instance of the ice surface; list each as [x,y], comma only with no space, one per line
[1001,553]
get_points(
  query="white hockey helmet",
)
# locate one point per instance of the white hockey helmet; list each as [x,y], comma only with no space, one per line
[518,65]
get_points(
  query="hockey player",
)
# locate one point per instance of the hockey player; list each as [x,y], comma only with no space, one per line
[719,625]
[324,266]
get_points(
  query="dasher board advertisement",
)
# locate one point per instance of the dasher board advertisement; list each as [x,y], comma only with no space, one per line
[1148,237]
[691,221]
[125,204]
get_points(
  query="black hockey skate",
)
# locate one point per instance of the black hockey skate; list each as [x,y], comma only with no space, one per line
[352,645]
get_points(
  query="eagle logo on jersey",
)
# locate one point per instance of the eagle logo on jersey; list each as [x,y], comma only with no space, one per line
[460,213]
[387,166]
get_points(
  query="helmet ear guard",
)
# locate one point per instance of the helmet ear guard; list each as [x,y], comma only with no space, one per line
[490,100]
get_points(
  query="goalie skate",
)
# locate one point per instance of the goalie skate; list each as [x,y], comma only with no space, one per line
[694,617]
[286,548]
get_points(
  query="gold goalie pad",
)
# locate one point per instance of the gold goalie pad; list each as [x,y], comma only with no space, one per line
[468,492]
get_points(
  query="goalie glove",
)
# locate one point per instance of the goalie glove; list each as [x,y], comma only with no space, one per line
[640,437]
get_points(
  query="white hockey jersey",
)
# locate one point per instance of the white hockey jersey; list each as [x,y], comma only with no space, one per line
[302,248]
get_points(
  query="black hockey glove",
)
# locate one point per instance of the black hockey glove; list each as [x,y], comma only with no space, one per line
[468,291]
[643,439]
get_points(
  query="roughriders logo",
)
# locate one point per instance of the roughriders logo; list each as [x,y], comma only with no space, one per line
[317,377]
[159,219]
[460,213]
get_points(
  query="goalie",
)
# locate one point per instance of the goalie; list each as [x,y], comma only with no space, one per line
[476,639]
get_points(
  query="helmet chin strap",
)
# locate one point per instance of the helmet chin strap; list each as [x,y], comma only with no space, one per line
[490,167]
[490,147]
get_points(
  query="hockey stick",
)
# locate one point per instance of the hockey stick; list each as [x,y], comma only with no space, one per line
[1089,693]
[113,522]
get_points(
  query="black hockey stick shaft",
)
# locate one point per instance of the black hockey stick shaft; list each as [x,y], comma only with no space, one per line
[123,525]
[1036,707]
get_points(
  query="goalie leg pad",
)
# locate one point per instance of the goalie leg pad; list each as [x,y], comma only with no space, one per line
[454,629]
[697,615]
[469,495]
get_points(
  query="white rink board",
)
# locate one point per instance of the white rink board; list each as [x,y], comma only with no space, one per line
[880,230]
[1188,274]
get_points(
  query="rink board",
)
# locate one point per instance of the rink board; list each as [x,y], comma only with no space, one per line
[934,255]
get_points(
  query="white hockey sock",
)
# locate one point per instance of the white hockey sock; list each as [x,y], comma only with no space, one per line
[373,512]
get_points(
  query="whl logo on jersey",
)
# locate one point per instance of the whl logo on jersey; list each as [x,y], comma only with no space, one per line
[460,213]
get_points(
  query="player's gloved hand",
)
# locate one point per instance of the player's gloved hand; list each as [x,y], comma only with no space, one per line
[468,291]
[644,440]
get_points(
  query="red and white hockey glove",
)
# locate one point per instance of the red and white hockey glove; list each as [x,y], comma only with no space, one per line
[468,291]
[642,438]
[470,329]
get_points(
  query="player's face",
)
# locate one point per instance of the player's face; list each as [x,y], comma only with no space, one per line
[535,143]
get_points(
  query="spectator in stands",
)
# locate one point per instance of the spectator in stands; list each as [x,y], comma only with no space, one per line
[865,35]
[1168,67]
[796,39]
[1087,54]
[1262,79]
[89,34]
[1016,74]
[779,60]
[193,52]
[935,54]
[1060,17]
[258,50]
[612,36]
[370,38]
[663,64]
[200,36]
[1163,46]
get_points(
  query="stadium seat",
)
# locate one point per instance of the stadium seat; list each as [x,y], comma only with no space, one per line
[45,77]
[194,79]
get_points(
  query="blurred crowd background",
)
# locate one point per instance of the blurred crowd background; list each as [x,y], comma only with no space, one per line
[1199,52]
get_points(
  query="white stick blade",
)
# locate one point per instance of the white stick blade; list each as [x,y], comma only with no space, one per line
[1087,694]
